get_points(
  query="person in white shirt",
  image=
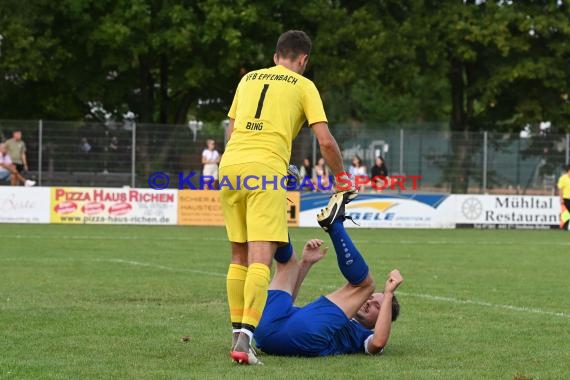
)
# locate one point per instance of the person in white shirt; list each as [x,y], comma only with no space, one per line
[210,160]
[356,169]
[9,171]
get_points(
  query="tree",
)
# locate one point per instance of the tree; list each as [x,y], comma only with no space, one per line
[505,66]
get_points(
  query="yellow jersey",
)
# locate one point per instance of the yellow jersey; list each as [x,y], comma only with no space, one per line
[564,186]
[269,108]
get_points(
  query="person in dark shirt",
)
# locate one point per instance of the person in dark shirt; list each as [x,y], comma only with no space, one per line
[379,168]
[380,171]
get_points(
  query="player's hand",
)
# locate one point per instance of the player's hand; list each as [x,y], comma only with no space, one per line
[344,183]
[313,251]
[394,280]
[351,193]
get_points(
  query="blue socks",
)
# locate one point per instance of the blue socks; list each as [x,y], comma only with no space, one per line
[350,262]
[284,252]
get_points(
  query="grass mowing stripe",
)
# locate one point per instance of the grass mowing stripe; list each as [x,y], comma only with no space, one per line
[522,309]
[431,297]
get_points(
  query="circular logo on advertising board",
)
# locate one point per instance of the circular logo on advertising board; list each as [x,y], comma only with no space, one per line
[472,208]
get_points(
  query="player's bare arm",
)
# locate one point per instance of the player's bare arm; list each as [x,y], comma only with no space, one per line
[384,322]
[313,252]
[230,129]
[329,147]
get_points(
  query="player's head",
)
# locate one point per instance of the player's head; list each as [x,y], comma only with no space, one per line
[368,312]
[17,135]
[293,50]
[567,168]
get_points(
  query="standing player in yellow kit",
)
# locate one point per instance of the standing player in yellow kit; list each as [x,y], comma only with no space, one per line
[269,108]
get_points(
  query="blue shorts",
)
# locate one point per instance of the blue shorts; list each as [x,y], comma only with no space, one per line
[285,329]
[4,175]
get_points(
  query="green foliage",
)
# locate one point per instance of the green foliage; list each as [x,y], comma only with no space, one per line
[495,65]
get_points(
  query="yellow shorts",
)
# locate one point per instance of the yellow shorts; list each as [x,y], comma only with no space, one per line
[254,203]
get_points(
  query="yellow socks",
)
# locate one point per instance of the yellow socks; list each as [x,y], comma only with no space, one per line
[255,294]
[235,283]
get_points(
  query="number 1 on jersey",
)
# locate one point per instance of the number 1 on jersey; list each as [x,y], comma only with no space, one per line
[261,100]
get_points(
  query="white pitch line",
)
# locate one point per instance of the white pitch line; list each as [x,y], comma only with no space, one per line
[521,309]
[149,265]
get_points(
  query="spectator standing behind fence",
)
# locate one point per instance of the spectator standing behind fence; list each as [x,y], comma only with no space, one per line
[8,169]
[357,169]
[84,145]
[114,145]
[564,188]
[210,160]
[16,149]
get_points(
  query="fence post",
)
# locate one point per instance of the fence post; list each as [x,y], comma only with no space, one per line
[401,151]
[484,162]
[519,165]
[567,148]
[133,154]
[40,150]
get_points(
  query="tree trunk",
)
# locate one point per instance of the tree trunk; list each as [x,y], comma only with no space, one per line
[183,107]
[458,169]
[163,89]
[146,115]
[146,83]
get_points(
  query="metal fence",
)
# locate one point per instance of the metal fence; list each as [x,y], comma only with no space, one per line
[125,154]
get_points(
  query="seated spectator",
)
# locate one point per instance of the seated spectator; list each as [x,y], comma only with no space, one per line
[357,169]
[9,171]
[379,169]
[306,169]
[321,175]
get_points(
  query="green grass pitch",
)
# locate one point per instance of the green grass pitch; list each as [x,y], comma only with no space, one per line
[113,302]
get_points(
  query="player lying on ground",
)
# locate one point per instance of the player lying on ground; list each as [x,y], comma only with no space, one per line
[351,319]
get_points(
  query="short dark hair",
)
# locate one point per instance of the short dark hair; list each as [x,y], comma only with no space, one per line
[395,308]
[567,167]
[292,44]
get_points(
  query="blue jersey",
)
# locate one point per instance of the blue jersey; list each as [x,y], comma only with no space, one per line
[348,340]
[318,329]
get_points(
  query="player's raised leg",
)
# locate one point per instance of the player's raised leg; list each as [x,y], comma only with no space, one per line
[290,272]
[350,262]
[286,268]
